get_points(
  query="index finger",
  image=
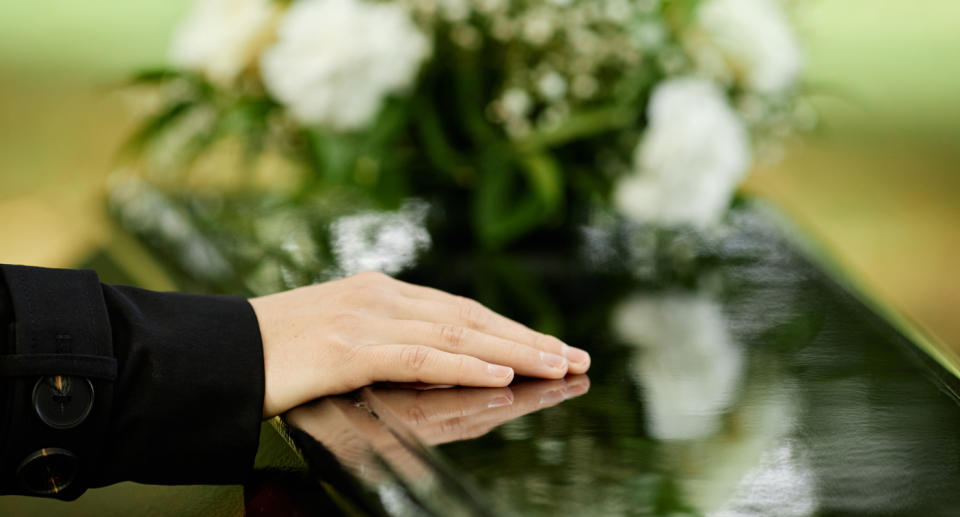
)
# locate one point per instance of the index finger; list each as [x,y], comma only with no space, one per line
[441,307]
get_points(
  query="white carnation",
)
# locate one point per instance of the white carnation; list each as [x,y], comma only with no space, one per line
[335,60]
[750,40]
[688,366]
[221,38]
[692,157]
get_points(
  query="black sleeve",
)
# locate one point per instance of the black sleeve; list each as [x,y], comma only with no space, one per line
[183,403]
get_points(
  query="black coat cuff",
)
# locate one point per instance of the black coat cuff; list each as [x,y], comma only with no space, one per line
[58,371]
[187,401]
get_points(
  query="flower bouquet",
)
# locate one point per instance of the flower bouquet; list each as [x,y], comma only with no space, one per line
[476,124]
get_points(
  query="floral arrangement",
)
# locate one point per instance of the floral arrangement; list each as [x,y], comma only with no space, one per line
[512,116]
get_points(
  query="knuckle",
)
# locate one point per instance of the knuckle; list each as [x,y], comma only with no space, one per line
[474,314]
[417,415]
[362,369]
[414,357]
[520,353]
[548,343]
[349,321]
[359,296]
[453,427]
[462,367]
[453,336]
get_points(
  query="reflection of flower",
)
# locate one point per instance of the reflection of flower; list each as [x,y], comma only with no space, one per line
[781,484]
[689,367]
[336,60]
[691,159]
[381,241]
[139,206]
[750,40]
[220,38]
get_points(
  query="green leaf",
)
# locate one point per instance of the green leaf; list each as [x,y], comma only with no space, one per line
[196,86]
[155,75]
[156,125]
[579,125]
[388,125]
[203,140]
[441,153]
[471,98]
[336,155]
[515,195]
[680,13]
[545,178]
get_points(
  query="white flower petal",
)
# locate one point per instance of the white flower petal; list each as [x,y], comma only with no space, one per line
[694,154]
[220,38]
[755,41]
[336,60]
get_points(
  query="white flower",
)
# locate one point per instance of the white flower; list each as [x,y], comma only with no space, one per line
[694,154]
[552,85]
[538,27]
[455,10]
[689,367]
[750,40]
[516,103]
[336,60]
[221,38]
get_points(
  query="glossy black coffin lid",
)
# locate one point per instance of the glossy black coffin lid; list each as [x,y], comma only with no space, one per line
[730,377]
[736,380]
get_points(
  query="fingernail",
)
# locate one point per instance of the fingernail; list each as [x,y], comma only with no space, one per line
[551,397]
[499,371]
[553,361]
[500,402]
[576,356]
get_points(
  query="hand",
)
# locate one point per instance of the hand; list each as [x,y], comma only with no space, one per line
[338,336]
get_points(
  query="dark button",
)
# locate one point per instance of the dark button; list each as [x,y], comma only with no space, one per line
[62,401]
[48,471]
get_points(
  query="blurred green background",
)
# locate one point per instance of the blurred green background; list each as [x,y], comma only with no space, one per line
[878,183]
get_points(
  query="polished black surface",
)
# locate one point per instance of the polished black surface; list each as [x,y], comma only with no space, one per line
[737,380]
[730,377]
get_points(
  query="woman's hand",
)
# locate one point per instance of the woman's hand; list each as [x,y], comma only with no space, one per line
[338,336]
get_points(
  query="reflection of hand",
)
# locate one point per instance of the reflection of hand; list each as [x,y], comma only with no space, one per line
[451,414]
[440,415]
[338,336]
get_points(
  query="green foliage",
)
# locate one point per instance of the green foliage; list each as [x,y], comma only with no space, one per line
[515,194]
[508,134]
[438,142]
